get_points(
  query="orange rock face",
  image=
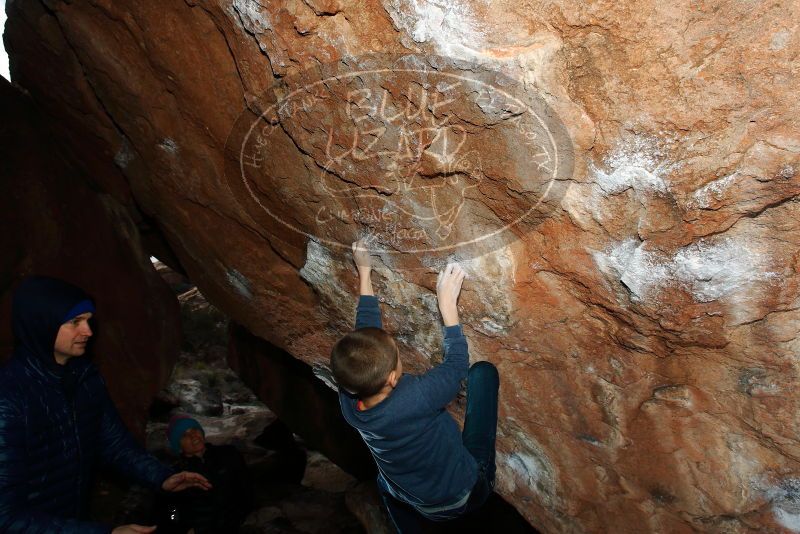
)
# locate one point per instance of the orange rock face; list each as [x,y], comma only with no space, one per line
[620,180]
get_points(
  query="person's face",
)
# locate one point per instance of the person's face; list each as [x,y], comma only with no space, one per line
[193,442]
[72,338]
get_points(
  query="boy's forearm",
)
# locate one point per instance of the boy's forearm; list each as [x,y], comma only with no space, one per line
[450,316]
[365,281]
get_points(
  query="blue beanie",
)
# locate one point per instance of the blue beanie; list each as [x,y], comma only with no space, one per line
[177,427]
[83,306]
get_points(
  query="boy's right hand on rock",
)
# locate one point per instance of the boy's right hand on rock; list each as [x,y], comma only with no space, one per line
[361,255]
[363,261]
[448,287]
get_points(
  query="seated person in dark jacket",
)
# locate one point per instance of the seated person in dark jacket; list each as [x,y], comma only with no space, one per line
[57,421]
[223,508]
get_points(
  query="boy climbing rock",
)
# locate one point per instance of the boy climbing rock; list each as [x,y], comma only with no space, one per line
[425,465]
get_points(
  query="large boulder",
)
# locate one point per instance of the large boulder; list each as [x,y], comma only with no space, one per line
[620,180]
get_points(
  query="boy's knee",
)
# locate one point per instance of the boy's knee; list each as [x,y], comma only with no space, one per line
[484,371]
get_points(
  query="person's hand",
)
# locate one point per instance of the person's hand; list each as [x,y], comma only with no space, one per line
[132,529]
[364,264]
[448,287]
[361,255]
[185,480]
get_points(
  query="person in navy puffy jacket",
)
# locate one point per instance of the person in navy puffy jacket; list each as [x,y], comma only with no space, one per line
[57,421]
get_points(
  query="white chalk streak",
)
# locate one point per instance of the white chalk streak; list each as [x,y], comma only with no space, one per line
[637,164]
[709,271]
[449,25]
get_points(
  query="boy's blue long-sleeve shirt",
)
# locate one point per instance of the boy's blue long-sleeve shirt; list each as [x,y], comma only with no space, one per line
[415,442]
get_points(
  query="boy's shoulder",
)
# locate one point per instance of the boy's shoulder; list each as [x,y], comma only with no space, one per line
[406,397]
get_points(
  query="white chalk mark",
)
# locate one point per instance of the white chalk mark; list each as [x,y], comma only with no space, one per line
[712,191]
[637,165]
[786,503]
[168,145]
[709,271]
[449,25]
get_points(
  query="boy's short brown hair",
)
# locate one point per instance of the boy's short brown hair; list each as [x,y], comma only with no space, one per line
[362,360]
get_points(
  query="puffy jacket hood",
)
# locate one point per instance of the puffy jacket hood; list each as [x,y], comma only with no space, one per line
[38,309]
[57,422]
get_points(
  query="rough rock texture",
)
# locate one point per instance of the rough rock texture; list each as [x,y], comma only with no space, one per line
[54,224]
[641,303]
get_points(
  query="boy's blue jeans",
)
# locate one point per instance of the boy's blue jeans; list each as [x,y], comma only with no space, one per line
[478,436]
